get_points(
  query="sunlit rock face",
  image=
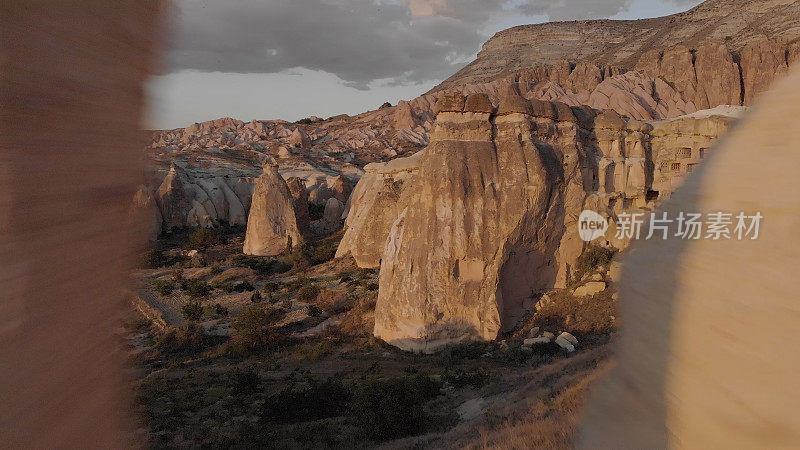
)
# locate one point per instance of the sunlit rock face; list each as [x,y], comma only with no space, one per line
[488,221]
[272,224]
[373,207]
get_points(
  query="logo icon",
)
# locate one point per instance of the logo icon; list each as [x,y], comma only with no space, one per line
[591,226]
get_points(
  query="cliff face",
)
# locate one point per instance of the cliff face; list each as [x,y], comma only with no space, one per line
[622,44]
[489,222]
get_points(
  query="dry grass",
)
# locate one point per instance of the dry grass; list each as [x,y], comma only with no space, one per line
[556,402]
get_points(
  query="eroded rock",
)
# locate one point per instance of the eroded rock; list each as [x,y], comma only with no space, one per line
[272,223]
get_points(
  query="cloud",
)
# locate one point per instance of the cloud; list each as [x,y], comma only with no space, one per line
[360,41]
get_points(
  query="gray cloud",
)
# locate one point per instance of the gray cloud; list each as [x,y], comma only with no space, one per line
[404,41]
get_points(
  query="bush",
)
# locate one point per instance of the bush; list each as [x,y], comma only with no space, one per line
[321,400]
[313,351]
[256,297]
[243,286]
[202,238]
[344,277]
[388,409]
[299,282]
[593,258]
[177,275]
[297,259]
[313,311]
[324,253]
[187,339]
[270,287]
[195,288]
[315,212]
[307,293]
[246,382]
[459,378]
[252,330]
[163,287]
[220,310]
[152,259]
[192,311]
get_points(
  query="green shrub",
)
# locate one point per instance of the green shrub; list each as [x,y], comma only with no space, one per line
[192,311]
[177,275]
[392,408]
[270,287]
[344,277]
[324,253]
[195,288]
[202,238]
[243,286]
[163,287]
[152,259]
[253,332]
[220,310]
[593,258]
[313,311]
[186,339]
[297,259]
[299,282]
[460,378]
[307,293]
[319,401]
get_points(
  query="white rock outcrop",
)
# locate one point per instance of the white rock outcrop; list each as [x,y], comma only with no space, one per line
[272,223]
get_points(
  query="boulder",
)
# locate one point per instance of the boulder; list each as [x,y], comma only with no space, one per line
[565,344]
[535,341]
[272,223]
[589,289]
[569,337]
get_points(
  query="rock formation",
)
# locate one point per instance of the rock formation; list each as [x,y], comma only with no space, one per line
[300,199]
[683,378]
[373,208]
[146,212]
[489,220]
[300,139]
[272,223]
[187,199]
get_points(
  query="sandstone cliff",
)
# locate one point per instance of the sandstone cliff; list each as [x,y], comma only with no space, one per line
[489,221]
[622,44]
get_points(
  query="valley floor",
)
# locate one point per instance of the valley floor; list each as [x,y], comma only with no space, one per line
[246,352]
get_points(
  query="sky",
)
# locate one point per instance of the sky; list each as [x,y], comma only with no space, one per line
[290,59]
